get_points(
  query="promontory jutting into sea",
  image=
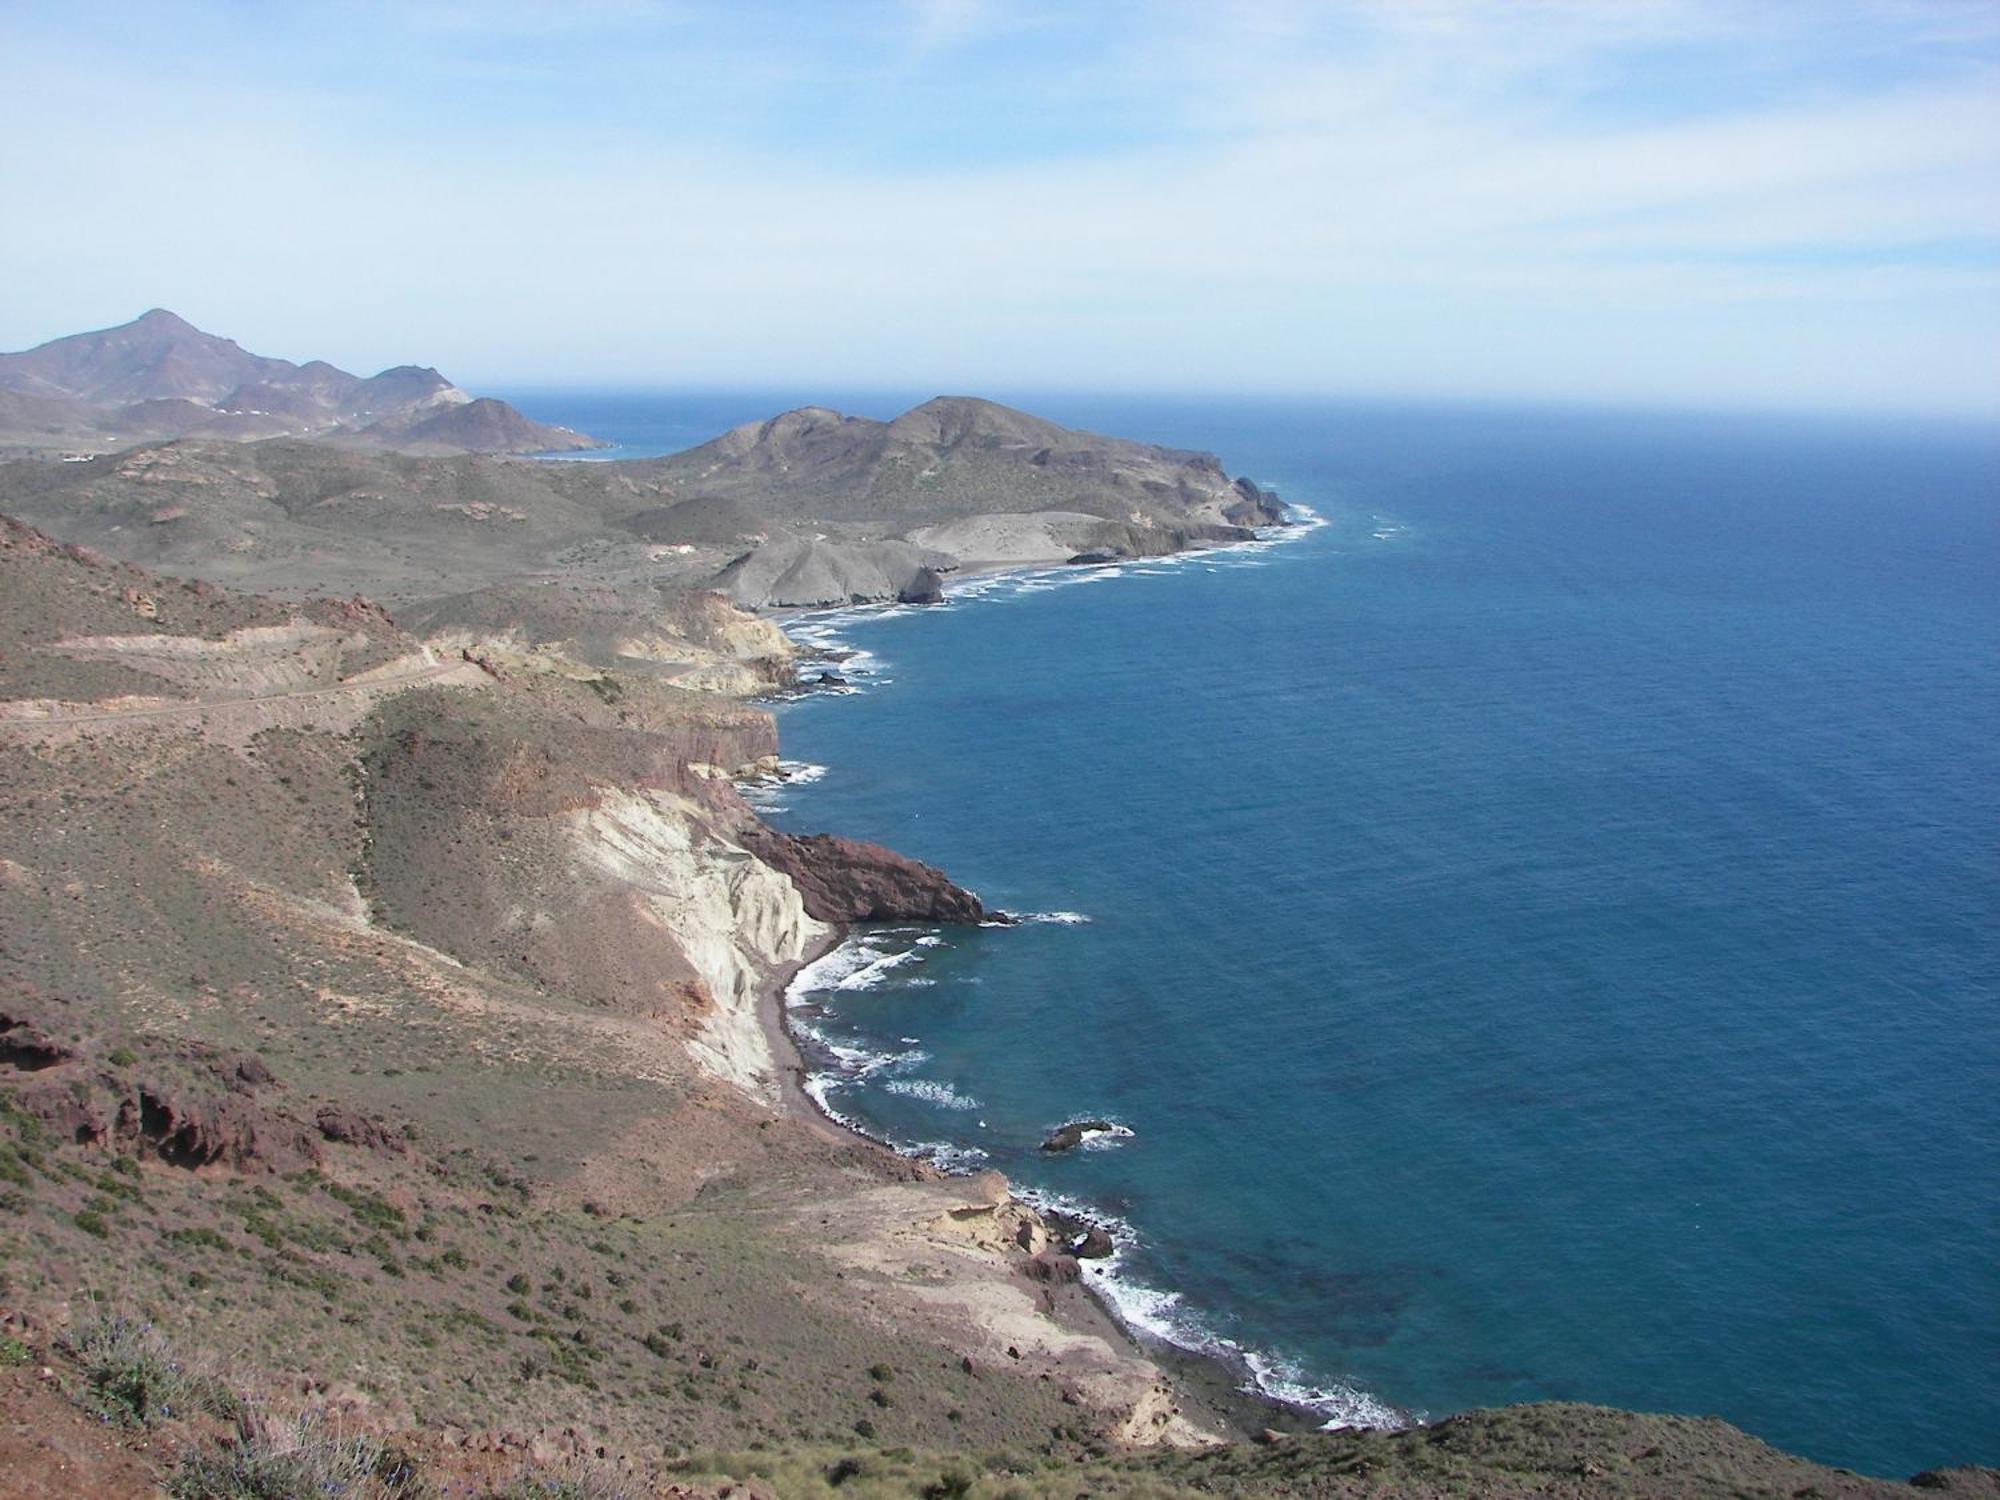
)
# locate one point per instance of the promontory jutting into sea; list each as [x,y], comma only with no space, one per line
[935,749]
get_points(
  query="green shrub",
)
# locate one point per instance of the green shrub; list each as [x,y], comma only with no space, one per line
[302,1460]
[13,1352]
[118,1187]
[131,1376]
[199,1237]
[375,1212]
[90,1221]
[953,1484]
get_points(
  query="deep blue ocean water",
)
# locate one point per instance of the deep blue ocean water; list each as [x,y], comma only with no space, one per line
[1542,922]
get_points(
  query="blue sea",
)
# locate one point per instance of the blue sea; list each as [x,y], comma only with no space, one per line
[1540,926]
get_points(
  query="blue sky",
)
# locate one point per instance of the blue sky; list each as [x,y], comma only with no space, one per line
[1651,201]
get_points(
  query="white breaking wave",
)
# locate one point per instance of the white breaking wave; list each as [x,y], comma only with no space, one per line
[874,973]
[763,792]
[822,629]
[1164,1316]
[855,965]
[1099,1140]
[826,972]
[944,1155]
[1033,918]
[943,1095]
[1342,1406]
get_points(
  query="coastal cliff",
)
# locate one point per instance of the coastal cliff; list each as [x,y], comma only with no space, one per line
[476,928]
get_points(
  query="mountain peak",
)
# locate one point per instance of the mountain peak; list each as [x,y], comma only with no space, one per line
[958,419]
[159,320]
[224,390]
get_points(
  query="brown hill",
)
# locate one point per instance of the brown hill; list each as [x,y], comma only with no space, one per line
[155,356]
[810,508]
[955,457]
[289,514]
[482,425]
[160,376]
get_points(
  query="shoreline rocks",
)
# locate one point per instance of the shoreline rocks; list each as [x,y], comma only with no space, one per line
[1075,1133]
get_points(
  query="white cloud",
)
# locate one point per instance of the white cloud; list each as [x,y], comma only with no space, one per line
[1413,195]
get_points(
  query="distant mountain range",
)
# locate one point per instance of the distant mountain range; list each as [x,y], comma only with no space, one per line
[161,377]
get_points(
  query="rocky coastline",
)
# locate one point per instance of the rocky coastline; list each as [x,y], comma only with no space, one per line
[846,882]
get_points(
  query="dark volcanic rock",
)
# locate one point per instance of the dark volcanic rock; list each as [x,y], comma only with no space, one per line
[927,587]
[251,1072]
[845,880]
[1092,1244]
[229,1131]
[1258,507]
[1070,1136]
[28,1049]
[352,1128]
[1053,1267]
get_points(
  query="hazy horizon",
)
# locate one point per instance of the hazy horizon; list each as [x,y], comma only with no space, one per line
[1671,204]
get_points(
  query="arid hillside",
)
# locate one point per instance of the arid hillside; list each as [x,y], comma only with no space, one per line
[399,1019]
[159,376]
[810,508]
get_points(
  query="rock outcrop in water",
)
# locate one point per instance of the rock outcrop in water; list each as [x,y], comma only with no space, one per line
[1069,1137]
[845,880]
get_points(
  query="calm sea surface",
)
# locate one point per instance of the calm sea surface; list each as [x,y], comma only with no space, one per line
[1543,924]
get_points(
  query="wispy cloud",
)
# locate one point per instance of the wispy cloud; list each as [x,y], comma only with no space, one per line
[1665,199]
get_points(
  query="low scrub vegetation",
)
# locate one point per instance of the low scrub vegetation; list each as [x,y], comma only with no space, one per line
[132,1376]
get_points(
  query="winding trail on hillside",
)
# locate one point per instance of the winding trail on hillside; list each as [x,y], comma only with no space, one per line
[234,721]
[192,706]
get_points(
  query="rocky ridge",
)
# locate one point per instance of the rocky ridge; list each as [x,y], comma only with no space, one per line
[160,376]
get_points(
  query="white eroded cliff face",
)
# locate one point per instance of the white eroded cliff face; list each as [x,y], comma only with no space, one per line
[734,917]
